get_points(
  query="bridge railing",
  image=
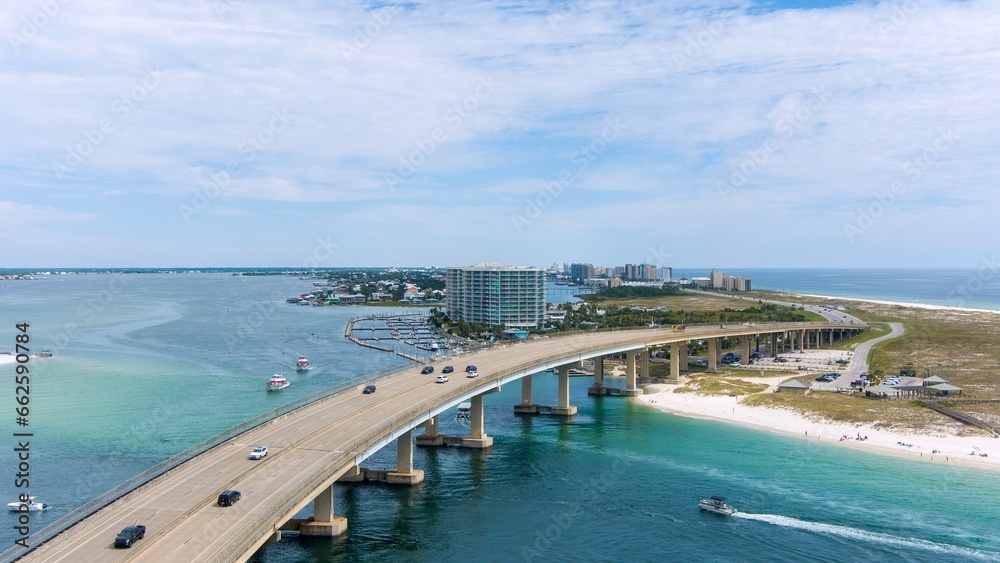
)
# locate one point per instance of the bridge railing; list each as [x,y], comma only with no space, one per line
[90,507]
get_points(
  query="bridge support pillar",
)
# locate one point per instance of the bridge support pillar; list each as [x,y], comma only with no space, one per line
[598,387]
[675,362]
[635,366]
[526,406]
[684,355]
[745,349]
[354,475]
[713,355]
[477,437]
[563,408]
[323,522]
[431,435]
[405,474]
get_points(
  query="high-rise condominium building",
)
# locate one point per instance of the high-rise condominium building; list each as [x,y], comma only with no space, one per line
[495,294]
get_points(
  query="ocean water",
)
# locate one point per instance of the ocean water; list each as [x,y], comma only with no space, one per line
[147,365]
[977,288]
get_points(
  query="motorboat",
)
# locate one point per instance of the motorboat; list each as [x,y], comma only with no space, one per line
[31,505]
[717,505]
[302,364]
[277,382]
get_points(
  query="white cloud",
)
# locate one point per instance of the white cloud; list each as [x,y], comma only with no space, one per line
[489,102]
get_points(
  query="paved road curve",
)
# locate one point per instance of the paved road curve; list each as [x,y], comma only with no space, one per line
[310,448]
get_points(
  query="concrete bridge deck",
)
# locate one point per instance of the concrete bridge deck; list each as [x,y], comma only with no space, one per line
[312,447]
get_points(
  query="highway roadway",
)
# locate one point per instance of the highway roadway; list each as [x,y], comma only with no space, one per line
[310,448]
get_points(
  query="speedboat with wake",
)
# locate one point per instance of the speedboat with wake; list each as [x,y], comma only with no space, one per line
[277,382]
[30,506]
[302,364]
[717,505]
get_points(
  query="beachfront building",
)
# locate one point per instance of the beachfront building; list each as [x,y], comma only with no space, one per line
[494,294]
[719,280]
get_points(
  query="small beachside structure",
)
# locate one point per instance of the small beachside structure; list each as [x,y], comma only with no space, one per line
[933,380]
[945,389]
[793,386]
[882,391]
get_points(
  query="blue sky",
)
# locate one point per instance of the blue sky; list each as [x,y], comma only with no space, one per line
[733,133]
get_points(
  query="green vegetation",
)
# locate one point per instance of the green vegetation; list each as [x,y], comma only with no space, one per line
[628,291]
[715,385]
[479,331]
[592,315]
[838,407]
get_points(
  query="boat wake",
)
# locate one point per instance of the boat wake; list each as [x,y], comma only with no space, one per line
[865,535]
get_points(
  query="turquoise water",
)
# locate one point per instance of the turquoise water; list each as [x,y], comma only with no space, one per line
[160,362]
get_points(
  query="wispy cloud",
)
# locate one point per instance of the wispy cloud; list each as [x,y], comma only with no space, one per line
[718,95]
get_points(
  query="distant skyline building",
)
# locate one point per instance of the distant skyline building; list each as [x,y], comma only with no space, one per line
[495,294]
[581,272]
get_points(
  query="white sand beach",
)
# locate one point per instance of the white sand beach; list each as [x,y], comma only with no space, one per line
[905,304]
[950,449]
[5,359]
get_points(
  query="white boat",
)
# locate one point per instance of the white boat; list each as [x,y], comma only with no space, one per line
[277,382]
[717,505]
[302,364]
[31,505]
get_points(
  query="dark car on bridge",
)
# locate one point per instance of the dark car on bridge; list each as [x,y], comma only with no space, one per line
[447,369]
[130,535]
[427,369]
[229,497]
[470,368]
[369,389]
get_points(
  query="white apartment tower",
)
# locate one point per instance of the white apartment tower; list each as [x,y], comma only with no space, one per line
[494,294]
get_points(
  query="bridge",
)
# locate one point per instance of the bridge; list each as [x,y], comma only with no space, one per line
[326,441]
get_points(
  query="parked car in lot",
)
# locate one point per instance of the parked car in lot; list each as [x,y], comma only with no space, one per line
[735,365]
[229,497]
[369,389]
[447,369]
[803,368]
[427,369]
[260,452]
[130,535]
[442,378]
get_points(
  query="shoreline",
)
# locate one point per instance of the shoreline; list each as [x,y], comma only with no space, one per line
[903,304]
[951,450]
